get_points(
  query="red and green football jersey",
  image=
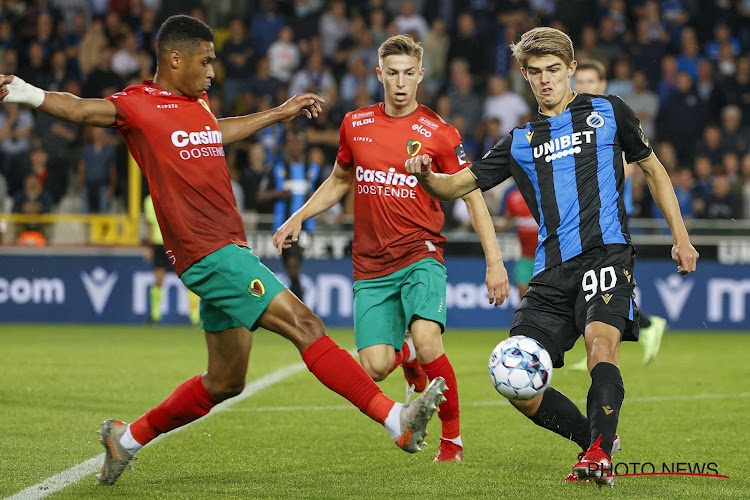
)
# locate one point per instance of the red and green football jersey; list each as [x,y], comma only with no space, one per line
[396,223]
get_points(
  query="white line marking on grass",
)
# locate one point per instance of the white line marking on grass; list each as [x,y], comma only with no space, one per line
[89,467]
[502,401]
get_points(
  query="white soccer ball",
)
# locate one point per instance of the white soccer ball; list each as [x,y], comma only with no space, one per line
[520,368]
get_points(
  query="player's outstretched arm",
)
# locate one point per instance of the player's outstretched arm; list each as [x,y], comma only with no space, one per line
[327,195]
[61,105]
[663,193]
[498,286]
[237,128]
[444,187]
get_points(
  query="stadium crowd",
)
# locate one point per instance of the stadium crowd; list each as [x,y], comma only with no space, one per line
[682,65]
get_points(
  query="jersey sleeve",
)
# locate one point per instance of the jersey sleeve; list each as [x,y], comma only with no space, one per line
[634,142]
[126,105]
[494,167]
[451,157]
[344,156]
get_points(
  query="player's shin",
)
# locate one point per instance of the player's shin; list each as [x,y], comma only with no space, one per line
[603,404]
[559,414]
[449,410]
[190,401]
[337,370]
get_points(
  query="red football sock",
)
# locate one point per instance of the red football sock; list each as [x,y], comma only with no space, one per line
[448,411]
[338,371]
[190,401]
[401,356]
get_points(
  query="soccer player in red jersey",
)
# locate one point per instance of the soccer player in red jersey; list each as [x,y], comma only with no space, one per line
[527,230]
[168,127]
[400,279]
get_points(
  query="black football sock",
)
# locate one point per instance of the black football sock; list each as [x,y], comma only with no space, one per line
[560,415]
[604,402]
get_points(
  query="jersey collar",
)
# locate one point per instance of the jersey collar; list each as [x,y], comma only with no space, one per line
[544,116]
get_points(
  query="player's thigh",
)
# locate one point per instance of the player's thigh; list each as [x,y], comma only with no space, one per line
[546,314]
[605,289]
[235,288]
[378,314]
[423,293]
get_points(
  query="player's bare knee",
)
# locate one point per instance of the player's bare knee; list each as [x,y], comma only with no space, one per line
[528,407]
[309,329]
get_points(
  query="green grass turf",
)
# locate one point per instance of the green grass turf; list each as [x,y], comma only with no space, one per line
[58,383]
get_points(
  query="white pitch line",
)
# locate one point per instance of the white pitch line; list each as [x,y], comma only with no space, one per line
[78,472]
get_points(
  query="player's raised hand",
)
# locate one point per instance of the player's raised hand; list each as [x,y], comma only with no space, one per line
[498,285]
[420,165]
[302,104]
[686,256]
[287,234]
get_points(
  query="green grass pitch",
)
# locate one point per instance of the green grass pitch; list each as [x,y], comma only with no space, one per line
[296,439]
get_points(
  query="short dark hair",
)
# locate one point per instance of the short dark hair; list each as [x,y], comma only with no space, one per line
[181,32]
[595,65]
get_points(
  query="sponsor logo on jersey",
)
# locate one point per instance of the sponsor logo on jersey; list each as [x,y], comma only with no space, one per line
[595,120]
[460,154]
[607,409]
[413,147]
[363,114]
[359,123]
[210,139]
[362,139]
[421,130]
[431,124]
[166,106]
[607,297]
[390,178]
[529,135]
[256,288]
[563,146]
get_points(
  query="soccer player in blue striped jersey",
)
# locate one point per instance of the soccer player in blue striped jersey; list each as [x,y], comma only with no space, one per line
[568,165]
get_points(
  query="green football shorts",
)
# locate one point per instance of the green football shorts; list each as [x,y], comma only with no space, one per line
[384,307]
[523,271]
[234,286]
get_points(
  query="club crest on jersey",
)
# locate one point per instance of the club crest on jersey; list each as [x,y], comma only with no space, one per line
[256,288]
[595,120]
[413,148]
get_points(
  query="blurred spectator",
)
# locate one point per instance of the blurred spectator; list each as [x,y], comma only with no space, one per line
[737,89]
[92,45]
[689,55]
[358,77]
[7,35]
[102,81]
[16,123]
[250,179]
[333,27]
[32,200]
[58,138]
[745,168]
[727,62]
[263,83]
[467,44]
[97,174]
[379,26]
[668,82]
[708,90]
[236,57]
[730,166]
[410,21]
[672,123]
[272,137]
[702,185]
[146,31]
[306,17]
[710,144]
[283,55]
[734,137]
[722,203]
[722,35]
[465,102]
[508,107]
[265,26]
[622,83]
[647,52]
[644,103]
[436,44]
[609,42]
[35,71]
[314,77]
[491,135]
[682,181]
[127,61]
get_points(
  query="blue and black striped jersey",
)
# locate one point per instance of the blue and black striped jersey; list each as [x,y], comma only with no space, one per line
[569,169]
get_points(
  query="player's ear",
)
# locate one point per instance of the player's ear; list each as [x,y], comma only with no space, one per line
[174,59]
[379,72]
[525,75]
[572,68]
[421,75]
